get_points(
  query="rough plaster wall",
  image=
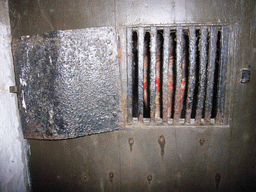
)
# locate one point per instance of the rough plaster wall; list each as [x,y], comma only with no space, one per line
[12,159]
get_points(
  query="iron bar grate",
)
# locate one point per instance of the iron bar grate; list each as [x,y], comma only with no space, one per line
[176,74]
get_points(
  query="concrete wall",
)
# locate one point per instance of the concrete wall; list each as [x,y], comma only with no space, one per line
[13,175]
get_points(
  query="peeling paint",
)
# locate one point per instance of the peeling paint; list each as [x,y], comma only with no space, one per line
[23,100]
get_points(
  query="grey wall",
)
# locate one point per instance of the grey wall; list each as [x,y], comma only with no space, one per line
[84,164]
[13,176]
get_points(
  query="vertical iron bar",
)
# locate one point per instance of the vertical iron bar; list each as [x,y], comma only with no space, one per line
[158,76]
[210,73]
[192,72]
[170,78]
[202,74]
[140,72]
[129,74]
[222,73]
[179,61]
[153,73]
[165,72]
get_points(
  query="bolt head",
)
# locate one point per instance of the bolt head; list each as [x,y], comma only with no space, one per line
[217,177]
[202,141]
[161,140]
[131,141]
[149,177]
[111,174]
[13,89]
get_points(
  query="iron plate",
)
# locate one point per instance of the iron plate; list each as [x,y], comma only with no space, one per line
[68,83]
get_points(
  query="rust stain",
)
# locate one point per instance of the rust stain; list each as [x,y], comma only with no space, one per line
[123,101]
[131,142]
[198,118]
[124,104]
[161,141]
[32,133]
[219,117]
[207,117]
[121,59]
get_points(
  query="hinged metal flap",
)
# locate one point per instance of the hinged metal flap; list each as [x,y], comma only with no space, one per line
[68,83]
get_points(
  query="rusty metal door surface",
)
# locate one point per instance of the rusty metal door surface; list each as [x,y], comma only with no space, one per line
[72,72]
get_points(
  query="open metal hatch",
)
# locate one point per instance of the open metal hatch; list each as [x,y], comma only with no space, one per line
[68,83]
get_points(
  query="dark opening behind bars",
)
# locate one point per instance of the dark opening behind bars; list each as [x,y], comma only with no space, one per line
[177,73]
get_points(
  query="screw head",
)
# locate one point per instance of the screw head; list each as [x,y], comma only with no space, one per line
[111,174]
[161,140]
[149,177]
[217,177]
[131,141]
[202,141]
